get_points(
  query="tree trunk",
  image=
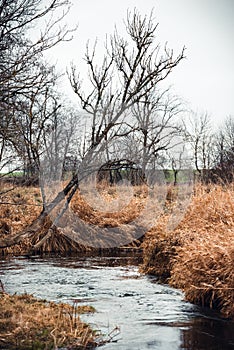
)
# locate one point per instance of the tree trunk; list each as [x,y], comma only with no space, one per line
[44,222]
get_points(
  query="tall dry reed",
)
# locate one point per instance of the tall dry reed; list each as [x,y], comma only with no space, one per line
[198,255]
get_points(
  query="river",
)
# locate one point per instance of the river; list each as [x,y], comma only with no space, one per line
[134,309]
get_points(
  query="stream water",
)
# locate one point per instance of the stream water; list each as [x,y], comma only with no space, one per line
[134,309]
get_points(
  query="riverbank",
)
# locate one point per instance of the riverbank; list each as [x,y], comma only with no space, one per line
[198,255]
[31,323]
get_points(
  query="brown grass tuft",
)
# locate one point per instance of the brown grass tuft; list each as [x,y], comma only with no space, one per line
[96,215]
[29,323]
[19,207]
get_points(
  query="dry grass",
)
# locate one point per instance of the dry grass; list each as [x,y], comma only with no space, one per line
[198,256]
[92,217]
[19,207]
[121,212]
[29,323]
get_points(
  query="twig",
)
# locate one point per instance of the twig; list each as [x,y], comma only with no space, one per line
[37,205]
[2,288]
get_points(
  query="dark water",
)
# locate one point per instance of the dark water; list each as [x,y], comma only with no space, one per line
[132,308]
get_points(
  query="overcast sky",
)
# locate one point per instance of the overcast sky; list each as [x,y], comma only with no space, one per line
[206,27]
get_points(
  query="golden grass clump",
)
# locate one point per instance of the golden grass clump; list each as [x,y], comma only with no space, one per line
[203,268]
[55,241]
[198,255]
[95,213]
[18,208]
[159,249]
[29,323]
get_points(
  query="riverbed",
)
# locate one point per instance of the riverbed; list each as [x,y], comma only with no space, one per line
[133,311]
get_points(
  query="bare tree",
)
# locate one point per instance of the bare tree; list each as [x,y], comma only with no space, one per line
[179,162]
[60,141]
[157,118]
[129,72]
[31,118]
[199,134]
[223,168]
[22,70]
[19,53]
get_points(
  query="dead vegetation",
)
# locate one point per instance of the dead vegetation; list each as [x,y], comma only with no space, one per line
[123,212]
[19,207]
[22,206]
[198,256]
[29,323]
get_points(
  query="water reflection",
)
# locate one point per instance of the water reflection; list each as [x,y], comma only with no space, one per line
[208,333]
[149,315]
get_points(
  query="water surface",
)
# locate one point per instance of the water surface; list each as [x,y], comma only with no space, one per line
[135,311]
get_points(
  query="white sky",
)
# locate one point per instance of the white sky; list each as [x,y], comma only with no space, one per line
[206,27]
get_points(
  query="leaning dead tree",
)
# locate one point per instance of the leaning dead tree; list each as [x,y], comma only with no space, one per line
[131,68]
